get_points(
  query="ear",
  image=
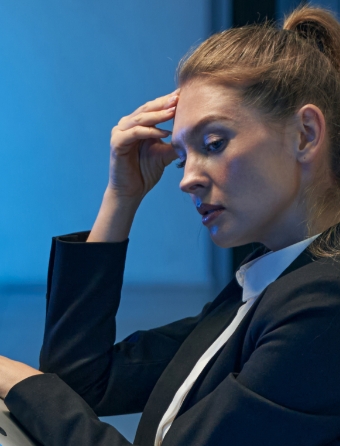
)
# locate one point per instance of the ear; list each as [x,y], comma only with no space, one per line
[312,131]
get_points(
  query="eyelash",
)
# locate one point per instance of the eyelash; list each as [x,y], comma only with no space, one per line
[181,164]
[217,141]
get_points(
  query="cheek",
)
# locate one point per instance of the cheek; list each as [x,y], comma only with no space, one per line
[237,174]
[250,179]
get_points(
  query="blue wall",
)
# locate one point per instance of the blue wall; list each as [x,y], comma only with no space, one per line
[286,6]
[69,71]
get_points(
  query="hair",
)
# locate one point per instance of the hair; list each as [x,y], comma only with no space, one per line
[278,71]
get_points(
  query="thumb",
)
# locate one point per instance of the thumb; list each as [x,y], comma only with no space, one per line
[169,154]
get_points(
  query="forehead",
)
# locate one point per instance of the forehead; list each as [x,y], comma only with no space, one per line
[200,99]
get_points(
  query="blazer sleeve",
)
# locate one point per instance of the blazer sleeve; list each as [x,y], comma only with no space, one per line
[287,392]
[84,285]
[55,415]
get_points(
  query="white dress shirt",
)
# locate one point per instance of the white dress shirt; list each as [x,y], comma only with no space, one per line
[253,277]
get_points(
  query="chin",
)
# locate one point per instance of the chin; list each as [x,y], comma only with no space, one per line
[223,239]
[220,239]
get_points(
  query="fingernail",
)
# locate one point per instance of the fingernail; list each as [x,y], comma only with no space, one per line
[171,110]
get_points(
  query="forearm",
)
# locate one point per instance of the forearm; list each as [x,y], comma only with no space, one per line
[115,217]
[79,344]
[57,416]
[82,299]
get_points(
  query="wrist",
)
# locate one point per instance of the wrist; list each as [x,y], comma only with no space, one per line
[113,199]
[115,218]
[11,373]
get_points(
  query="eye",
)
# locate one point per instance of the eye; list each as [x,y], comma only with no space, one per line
[213,146]
[180,164]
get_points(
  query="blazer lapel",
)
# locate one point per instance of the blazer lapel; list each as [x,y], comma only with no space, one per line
[221,313]
[185,359]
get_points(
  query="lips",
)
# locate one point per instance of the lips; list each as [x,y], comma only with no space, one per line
[205,209]
[209,212]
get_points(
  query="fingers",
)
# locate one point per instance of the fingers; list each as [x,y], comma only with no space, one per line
[141,124]
[160,103]
[122,139]
[169,155]
[151,118]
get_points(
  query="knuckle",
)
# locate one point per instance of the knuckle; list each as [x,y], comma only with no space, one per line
[138,118]
[122,120]
[116,147]
[115,139]
[145,107]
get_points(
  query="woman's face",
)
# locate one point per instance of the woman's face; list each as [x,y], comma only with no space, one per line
[237,168]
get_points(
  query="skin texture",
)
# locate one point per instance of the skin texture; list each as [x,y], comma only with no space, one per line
[258,173]
[138,158]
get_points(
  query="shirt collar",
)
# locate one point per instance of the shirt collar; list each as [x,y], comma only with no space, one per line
[257,274]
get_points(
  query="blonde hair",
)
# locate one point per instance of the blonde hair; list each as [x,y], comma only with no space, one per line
[278,71]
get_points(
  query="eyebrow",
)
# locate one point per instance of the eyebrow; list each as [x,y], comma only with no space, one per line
[200,125]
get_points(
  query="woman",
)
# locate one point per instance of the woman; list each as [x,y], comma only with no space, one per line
[256,130]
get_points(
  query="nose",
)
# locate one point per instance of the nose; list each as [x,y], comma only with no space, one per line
[194,178]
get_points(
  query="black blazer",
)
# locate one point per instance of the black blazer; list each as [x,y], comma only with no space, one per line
[276,382]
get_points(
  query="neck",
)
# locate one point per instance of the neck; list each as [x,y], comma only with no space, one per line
[296,232]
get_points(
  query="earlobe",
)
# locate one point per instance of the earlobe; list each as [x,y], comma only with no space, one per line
[312,126]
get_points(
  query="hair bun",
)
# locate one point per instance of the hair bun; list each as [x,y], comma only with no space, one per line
[313,32]
[320,28]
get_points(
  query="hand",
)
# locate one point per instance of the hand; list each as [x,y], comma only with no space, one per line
[138,155]
[11,373]
[137,161]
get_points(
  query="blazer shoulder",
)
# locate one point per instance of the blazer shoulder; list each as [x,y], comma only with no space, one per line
[312,287]
[306,269]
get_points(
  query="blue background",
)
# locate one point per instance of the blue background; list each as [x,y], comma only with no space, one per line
[69,71]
